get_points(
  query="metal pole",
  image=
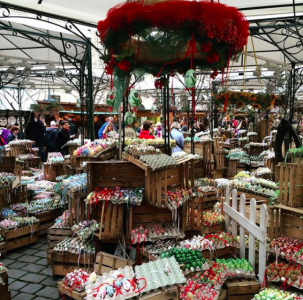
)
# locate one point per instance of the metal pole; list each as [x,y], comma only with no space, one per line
[167,110]
[20,110]
[211,118]
[164,114]
[292,93]
[90,100]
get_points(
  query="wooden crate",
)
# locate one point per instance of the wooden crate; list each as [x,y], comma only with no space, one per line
[70,292]
[111,222]
[47,219]
[231,168]
[218,146]
[3,249]
[253,139]
[5,294]
[105,263]
[76,206]
[192,214]
[20,237]
[66,262]
[33,163]
[19,194]
[291,184]
[241,167]
[56,235]
[215,174]
[203,149]
[51,171]
[170,293]
[220,162]
[255,150]
[212,229]
[145,214]
[287,221]
[241,288]
[106,155]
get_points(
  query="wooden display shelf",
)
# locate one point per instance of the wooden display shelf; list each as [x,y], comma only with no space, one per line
[56,235]
[218,146]
[70,292]
[241,288]
[47,219]
[212,229]
[5,294]
[63,263]
[220,161]
[105,263]
[170,293]
[33,163]
[204,149]
[20,237]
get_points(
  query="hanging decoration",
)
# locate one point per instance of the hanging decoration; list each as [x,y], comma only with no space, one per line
[110,99]
[134,100]
[255,100]
[128,118]
[162,37]
[190,79]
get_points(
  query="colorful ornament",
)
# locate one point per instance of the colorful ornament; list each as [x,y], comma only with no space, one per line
[134,99]
[128,118]
[190,79]
[111,98]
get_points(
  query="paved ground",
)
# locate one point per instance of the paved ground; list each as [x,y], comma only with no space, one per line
[30,277]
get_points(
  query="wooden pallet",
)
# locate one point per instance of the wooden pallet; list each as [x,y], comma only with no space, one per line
[20,237]
[290,177]
[66,262]
[241,288]
[111,221]
[105,263]
[56,235]
[70,292]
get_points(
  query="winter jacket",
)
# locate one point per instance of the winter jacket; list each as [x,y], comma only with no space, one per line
[11,137]
[179,138]
[50,135]
[144,134]
[5,133]
[61,139]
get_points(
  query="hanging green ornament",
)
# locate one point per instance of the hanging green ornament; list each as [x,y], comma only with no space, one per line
[128,118]
[111,98]
[134,99]
[190,79]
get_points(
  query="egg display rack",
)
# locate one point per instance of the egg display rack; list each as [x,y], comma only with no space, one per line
[5,294]
[21,236]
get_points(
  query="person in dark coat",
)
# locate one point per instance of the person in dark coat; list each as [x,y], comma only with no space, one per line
[62,138]
[50,137]
[73,130]
[13,136]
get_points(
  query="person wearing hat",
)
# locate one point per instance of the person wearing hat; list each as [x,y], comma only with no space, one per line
[158,132]
[50,136]
[146,132]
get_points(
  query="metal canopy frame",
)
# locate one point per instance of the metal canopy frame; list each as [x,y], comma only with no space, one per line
[72,49]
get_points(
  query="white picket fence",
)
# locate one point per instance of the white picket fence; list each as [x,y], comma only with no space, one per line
[239,221]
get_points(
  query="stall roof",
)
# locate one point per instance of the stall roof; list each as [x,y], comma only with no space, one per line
[91,11]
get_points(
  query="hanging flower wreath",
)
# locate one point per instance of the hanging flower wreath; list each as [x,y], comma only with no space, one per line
[164,36]
[256,101]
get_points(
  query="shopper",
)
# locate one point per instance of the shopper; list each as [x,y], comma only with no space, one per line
[73,129]
[50,137]
[108,120]
[3,136]
[109,129]
[35,131]
[146,132]
[13,136]
[183,126]
[176,135]
[62,138]
[159,130]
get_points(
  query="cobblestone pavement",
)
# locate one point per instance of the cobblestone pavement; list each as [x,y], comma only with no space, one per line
[30,277]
